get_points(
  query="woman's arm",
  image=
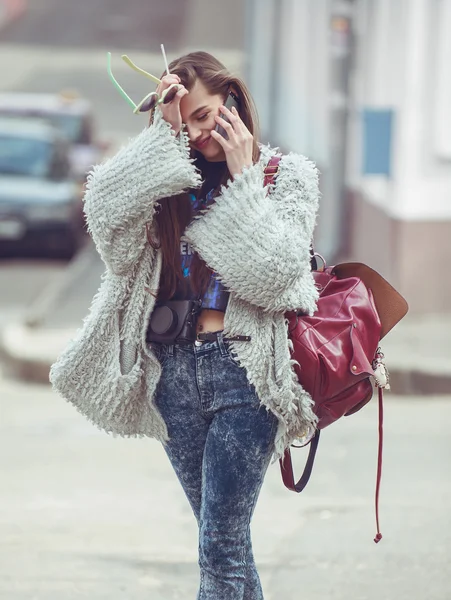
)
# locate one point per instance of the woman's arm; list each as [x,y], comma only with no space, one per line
[259,244]
[122,192]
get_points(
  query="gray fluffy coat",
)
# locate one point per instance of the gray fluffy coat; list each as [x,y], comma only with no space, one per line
[258,244]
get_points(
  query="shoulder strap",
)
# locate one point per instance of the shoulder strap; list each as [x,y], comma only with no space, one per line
[271,170]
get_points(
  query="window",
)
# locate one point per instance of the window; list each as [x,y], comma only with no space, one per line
[25,157]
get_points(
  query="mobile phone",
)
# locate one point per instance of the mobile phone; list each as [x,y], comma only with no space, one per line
[231,100]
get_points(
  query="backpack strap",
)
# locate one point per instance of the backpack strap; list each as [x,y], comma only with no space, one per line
[286,466]
[378,537]
[271,170]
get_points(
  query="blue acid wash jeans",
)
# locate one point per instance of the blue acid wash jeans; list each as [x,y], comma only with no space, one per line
[220,446]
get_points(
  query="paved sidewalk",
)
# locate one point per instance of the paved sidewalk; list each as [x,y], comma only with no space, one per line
[417,350]
[85,515]
[418,354]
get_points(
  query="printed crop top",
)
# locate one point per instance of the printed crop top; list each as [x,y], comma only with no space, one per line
[216,296]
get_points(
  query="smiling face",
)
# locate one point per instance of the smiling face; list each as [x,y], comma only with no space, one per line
[198,109]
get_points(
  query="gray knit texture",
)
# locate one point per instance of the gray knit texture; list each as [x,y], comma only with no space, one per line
[257,244]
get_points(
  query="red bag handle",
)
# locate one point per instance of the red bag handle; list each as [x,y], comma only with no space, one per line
[286,466]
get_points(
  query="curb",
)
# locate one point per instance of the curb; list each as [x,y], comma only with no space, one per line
[35,368]
[419,383]
[32,371]
[19,362]
[10,10]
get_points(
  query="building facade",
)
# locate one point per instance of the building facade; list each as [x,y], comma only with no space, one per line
[363,87]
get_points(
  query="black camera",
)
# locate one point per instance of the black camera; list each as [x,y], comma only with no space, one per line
[174,321]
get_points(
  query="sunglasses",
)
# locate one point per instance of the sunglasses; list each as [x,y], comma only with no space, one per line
[150,101]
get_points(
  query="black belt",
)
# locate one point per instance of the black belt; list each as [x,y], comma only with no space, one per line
[212,336]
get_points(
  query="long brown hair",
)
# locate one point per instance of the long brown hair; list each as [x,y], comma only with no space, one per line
[175,212]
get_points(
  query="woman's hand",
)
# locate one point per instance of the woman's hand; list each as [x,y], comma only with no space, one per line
[238,148]
[171,110]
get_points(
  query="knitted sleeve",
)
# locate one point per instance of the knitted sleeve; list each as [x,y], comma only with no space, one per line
[122,193]
[258,244]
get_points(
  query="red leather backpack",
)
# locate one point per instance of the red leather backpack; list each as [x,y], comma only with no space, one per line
[337,349]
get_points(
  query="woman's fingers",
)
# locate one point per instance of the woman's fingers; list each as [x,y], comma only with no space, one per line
[171,108]
[219,138]
[173,95]
[174,104]
[167,81]
[223,123]
[171,78]
[233,117]
[236,130]
[182,92]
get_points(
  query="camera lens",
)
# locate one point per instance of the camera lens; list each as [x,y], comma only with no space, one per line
[164,320]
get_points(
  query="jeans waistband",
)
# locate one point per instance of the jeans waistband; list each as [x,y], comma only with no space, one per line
[218,342]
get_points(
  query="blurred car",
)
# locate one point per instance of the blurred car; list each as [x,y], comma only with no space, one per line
[73,115]
[40,206]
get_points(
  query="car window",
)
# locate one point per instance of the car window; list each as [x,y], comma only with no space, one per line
[24,156]
[70,125]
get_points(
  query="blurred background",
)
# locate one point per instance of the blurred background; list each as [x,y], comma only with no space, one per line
[362,87]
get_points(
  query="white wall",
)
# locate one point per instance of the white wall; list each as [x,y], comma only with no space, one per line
[442,76]
[287,72]
[404,48]
[302,108]
[260,33]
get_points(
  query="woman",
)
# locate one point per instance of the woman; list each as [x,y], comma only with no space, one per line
[167,229]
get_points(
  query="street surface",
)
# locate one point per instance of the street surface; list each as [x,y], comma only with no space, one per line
[135,24]
[83,515]
[21,281]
